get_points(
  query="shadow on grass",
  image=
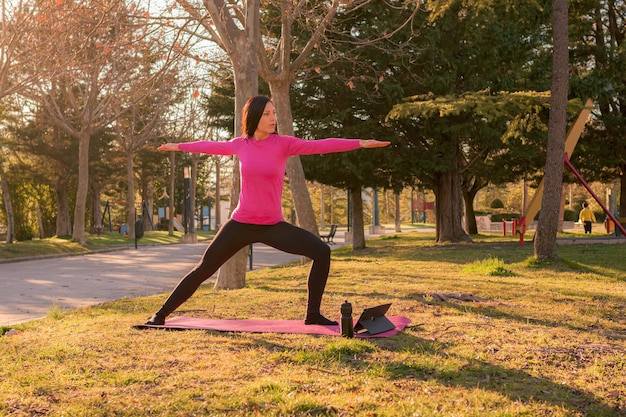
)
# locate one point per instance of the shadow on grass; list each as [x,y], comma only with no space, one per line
[428,365]
[491,311]
[516,385]
[513,384]
[483,309]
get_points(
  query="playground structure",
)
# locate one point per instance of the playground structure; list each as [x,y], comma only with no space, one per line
[570,143]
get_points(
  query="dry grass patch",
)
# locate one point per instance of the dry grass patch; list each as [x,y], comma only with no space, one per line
[545,340]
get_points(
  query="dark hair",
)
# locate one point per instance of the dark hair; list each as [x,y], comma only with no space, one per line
[585,204]
[252,112]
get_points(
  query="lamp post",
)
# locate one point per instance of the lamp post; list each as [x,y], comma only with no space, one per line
[189,236]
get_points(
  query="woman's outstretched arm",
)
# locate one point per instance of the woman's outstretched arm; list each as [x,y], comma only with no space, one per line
[206,147]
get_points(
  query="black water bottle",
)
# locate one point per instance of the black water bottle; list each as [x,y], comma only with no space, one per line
[347,326]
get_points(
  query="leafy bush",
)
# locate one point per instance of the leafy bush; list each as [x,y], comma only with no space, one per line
[498,217]
[23,230]
[570,215]
[600,216]
[497,203]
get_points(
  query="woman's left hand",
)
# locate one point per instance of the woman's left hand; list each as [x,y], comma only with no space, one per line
[168,147]
[373,143]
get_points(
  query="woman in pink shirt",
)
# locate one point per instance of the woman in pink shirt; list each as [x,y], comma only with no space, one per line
[258,216]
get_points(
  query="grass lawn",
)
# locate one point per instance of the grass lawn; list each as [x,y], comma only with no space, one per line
[64,245]
[534,339]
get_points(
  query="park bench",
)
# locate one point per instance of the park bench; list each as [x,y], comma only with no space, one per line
[328,238]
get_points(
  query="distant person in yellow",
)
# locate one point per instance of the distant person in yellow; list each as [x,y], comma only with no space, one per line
[587,217]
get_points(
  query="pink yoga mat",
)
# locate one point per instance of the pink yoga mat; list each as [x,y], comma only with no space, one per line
[268,326]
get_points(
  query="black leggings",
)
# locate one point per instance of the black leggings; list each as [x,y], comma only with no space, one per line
[234,236]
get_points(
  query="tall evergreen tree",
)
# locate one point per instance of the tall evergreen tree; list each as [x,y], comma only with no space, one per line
[460,47]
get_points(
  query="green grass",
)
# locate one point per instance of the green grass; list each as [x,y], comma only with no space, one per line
[64,245]
[490,266]
[548,339]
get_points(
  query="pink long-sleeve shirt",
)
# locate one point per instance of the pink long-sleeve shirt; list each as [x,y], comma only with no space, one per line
[262,168]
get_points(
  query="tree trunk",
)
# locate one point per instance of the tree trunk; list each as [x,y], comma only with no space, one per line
[384,216]
[470,214]
[63,221]
[449,204]
[449,207]
[232,275]
[95,214]
[398,213]
[295,172]
[6,195]
[78,233]
[545,236]
[130,194]
[41,232]
[147,194]
[358,225]
[622,191]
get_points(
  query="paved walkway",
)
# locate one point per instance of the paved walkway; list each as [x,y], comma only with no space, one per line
[31,288]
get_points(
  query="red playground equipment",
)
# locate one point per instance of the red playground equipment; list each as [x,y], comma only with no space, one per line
[570,143]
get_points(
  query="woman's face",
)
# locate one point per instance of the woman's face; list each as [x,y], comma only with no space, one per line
[267,123]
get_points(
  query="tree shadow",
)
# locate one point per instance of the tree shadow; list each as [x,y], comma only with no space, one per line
[514,384]
[485,309]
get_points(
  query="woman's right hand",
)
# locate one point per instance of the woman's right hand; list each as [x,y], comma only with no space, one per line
[373,143]
[168,147]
